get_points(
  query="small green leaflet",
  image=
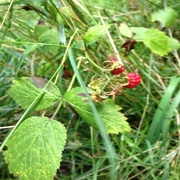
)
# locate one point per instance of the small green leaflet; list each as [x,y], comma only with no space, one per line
[25,90]
[35,148]
[174,44]
[157,41]
[95,33]
[166,16]
[125,30]
[138,32]
[114,121]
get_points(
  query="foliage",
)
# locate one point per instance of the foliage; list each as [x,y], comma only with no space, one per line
[25,90]
[95,33]
[56,63]
[113,120]
[38,154]
[166,16]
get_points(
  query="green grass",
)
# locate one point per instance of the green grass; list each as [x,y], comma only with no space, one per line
[151,149]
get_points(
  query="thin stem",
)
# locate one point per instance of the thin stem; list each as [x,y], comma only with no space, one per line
[111,41]
[63,60]
[70,86]
[94,64]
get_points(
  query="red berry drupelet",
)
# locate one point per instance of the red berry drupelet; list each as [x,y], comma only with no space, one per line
[117,67]
[134,80]
[118,70]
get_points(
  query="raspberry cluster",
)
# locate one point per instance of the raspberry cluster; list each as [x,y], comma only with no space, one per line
[133,78]
[103,87]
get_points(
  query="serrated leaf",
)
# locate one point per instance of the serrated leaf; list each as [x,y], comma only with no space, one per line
[166,16]
[157,41]
[35,148]
[114,121]
[25,90]
[95,33]
[52,39]
[125,30]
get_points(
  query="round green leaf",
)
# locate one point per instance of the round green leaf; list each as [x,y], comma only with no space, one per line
[94,33]
[157,41]
[166,16]
[35,148]
[174,44]
[125,30]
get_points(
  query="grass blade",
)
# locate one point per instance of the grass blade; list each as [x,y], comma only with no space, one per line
[161,115]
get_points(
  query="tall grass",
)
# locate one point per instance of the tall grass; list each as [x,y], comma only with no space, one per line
[151,149]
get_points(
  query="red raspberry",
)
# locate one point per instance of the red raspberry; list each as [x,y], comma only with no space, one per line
[134,80]
[116,67]
[118,70]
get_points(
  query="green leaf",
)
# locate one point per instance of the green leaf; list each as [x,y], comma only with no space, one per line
[25,90]
[139,32]
[166,16]
[114,121]
[52,39]
[157,41]
[40,29]
[125,30]
[95,33]
[174,44]
[35,148]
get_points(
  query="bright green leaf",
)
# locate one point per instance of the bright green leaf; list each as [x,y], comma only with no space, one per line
[25,90]
[95,33]
[125,30]
[114,121]
[157,41]
[138,32]
[35,148]
[174,44]
[52,39]
[166,16]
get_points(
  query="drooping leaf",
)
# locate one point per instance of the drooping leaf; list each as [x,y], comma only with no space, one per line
[35,148]
[25,90]
[95,33]
[51,38]
[125,30]
[114,121]
[129,45]
[166,16]
[157,41]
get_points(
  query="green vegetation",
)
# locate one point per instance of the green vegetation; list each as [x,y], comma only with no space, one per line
[68,108]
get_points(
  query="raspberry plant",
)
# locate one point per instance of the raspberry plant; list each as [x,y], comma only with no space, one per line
[36,143]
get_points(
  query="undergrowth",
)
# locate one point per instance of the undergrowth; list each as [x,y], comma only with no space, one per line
[34,40]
